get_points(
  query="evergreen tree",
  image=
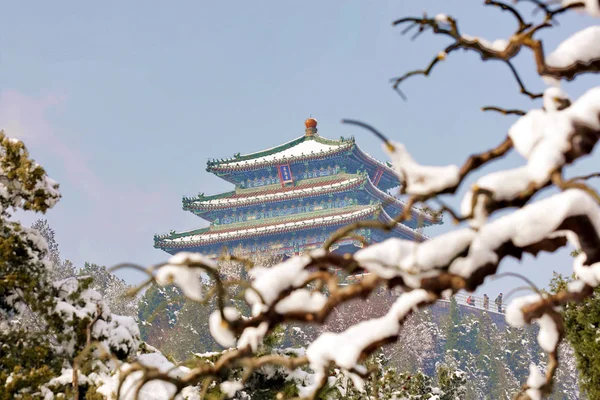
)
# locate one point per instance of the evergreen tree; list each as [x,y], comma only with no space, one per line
[452,383]
[68,312]
[158,311]
[495,378]
[43,227]
[453,327]
[582,325]
[516,354]
[566,382]
[113,289]
[190,334]
[416,347]
[59,269]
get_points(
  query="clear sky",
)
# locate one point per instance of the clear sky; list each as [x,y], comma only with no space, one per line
[124,102]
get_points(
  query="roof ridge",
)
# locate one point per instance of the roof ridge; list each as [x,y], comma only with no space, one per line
[202,197]
[237,158]
[242,157]
[174,235]
[385,165]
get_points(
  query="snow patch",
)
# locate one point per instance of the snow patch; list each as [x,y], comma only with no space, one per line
[253,337]
[301,300]
[420,179]
[181,271]
[219,329]
[306,147]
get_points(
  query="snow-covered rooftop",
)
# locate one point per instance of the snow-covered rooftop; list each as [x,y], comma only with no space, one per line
[303,148]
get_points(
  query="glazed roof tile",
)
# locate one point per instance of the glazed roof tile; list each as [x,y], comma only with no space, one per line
[304,148]
[299,147]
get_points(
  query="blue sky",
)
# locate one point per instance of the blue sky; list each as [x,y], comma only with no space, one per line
[124,102]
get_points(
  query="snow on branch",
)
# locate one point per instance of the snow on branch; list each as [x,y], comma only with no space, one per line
[549,139]
[183,270]
[23,183]
[345,349]
[580,48]
[541,226]
[307,288]
[419,179]
[578,55]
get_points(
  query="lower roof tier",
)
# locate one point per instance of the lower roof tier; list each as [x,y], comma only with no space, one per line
[205,240]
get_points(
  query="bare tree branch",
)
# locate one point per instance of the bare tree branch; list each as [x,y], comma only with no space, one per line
[503,111]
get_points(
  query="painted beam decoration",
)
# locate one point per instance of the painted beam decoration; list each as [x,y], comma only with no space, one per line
[290,198]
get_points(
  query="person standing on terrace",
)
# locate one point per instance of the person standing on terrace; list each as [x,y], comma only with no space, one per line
[498,302]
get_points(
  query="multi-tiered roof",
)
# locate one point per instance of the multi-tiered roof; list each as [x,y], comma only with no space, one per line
[289,199]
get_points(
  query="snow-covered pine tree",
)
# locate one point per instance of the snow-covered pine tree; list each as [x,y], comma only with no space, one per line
[53,254]
[158,312]
[190,334]
[416,347]
[61,269]
[494,377]
[566,385]
[113,289]
[76,325]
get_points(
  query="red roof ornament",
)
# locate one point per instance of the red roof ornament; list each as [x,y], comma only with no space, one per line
[310,123]
[311,127]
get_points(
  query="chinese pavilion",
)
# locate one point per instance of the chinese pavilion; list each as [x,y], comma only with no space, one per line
[290,198]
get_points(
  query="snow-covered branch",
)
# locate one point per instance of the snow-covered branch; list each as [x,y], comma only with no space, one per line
[575,56]
[308,288]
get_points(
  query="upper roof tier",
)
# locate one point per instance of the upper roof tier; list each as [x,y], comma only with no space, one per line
[308,145]
[298,149]
[311,147]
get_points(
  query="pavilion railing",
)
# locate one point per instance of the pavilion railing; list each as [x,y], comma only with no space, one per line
[461,299]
